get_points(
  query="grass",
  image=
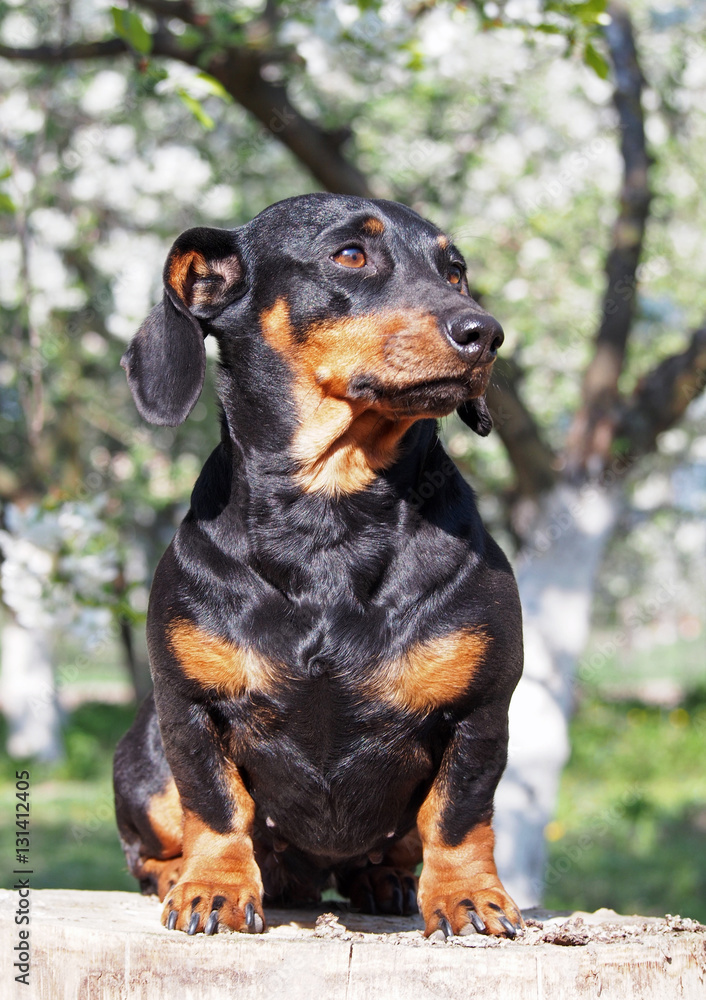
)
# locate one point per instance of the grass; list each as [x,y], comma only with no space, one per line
[630,831]
[74,840]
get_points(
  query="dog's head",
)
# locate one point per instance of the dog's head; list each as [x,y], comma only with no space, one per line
[357,306]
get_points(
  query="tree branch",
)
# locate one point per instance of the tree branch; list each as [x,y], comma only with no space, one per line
[662,396]
[53,54]
[533,461]
[591,435]
[182,9]
[239,70]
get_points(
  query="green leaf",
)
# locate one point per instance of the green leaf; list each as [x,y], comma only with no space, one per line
[595,60]
[587,12]
[415,62]
[7,205]
[217,89]
[129,26]
[196,110]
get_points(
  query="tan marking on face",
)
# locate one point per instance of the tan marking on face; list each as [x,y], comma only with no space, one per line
[433,673]
[341,444]
[216,664]
[182,269]
[167,820]
[443,241]
[373,226]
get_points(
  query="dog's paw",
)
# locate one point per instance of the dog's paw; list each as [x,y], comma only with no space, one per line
[158,876]
[485,911]
[382,889]
[206,903]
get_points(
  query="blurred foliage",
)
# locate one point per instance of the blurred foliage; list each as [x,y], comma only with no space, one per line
[504,137]
[630,826]
[74,839]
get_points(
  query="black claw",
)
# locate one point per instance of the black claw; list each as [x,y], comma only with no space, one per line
[445,927]
[193,923]
[173,917]
[212,923]
[477,921]
[250,916]
[509,929]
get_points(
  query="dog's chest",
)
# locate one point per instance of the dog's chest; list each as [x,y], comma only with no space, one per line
[330,771]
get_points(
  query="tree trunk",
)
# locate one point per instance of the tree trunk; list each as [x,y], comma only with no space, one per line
[28,693]
[556,573]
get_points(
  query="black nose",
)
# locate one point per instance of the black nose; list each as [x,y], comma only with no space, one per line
[480,333]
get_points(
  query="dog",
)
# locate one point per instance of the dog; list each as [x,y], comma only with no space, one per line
[334,637]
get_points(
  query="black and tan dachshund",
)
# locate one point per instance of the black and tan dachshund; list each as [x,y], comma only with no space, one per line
[334,637]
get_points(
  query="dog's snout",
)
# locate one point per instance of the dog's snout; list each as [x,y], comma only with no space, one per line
[478,333]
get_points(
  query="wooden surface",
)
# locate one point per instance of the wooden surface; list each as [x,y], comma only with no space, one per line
[111,946]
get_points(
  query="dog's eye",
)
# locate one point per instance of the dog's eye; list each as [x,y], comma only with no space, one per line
[350,257]
[454,275]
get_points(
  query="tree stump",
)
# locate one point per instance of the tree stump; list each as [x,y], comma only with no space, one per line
[111,946]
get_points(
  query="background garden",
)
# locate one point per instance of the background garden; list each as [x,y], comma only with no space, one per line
[564,145]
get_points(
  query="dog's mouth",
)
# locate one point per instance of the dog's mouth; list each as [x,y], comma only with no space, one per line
[433,397]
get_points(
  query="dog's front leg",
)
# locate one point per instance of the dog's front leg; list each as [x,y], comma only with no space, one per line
[220,881]
[459,888]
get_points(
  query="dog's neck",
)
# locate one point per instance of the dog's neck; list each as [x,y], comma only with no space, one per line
[345,463]
[254,508]
[340,447]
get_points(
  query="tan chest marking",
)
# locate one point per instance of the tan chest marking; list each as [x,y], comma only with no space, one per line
[433,673]
[216,664]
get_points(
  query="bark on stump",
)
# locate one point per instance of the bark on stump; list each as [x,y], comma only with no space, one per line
[111,946]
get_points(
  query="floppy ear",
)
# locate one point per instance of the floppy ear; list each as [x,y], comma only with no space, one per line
[476,415]
[166,359]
